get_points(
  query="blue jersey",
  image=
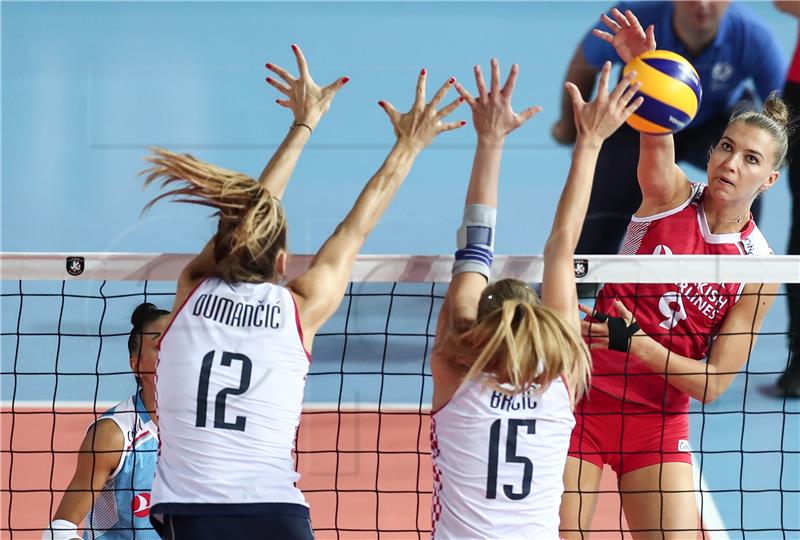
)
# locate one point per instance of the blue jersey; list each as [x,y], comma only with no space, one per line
[743,49]
[122,509]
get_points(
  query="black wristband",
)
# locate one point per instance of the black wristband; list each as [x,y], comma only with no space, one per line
[304,125]
[619,333]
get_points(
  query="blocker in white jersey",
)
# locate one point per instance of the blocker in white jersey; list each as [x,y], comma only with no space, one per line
[233,365]
[523,439]
[507,366]
[231,376]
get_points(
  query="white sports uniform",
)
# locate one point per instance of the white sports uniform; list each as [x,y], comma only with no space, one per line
[498,462]
[230,380]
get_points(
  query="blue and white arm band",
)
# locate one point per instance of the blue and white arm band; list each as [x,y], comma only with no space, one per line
[475,240]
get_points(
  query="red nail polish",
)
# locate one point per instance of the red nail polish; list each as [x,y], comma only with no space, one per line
[278,101]
[463,123]
[423,72]
[268,66]
[269,80]
[461,99]
[345,79]
[382,104]
[452,80]
[294,47]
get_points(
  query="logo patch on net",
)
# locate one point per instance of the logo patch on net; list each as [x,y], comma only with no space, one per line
[683,445]
[75,265]
[581,267]
[140,504]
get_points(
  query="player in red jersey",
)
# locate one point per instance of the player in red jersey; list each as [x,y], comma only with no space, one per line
[648,341]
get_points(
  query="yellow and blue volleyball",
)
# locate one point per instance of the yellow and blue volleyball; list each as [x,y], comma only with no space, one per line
[671,91]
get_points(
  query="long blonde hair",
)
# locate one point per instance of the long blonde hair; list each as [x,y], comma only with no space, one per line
[516,343]
[252,225]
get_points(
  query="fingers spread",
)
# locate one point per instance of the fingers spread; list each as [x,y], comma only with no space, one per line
[605,36]
[419,102]
[650,36]
[282,73]
[610,23]
[634,22]
[280,87]
[450,107]
[479,82]
[464,94]
[529,113]
[620,18]
[451,126]
[511,82]
[633,105]
[495,76]
[336,85]
[602,87]
[624,84]
[629,94]
[437,97]
[302,65]
[394,116]
[575,94]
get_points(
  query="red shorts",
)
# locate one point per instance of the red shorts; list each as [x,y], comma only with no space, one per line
[627,436]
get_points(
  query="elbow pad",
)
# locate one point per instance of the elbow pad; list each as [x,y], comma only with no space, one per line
[475,240]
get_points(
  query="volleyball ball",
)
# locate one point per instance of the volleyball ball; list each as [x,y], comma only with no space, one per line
[671,91]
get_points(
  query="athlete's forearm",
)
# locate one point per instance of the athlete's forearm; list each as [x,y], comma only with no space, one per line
[275,176]
[380,189]
[574,201]
[485,171]
[698,379]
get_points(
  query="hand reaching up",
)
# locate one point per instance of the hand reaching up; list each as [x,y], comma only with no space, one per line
[492,113]
[419,126]
[598,119]
[307,100]
[628,39]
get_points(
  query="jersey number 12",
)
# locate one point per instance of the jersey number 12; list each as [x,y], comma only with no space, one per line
[219,402]
[511,457]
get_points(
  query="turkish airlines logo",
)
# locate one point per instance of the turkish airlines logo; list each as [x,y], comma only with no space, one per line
[661,249]
[140,504]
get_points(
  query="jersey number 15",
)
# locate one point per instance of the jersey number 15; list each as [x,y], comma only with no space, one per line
[511,457]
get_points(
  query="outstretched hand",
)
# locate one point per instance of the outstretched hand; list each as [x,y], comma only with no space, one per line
[491,110]
[307,100]
[419,126]
[600,118]
[628,39]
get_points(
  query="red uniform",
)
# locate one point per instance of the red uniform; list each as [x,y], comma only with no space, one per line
[683,317]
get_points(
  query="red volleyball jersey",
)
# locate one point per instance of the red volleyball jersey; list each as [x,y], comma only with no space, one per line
[683,317]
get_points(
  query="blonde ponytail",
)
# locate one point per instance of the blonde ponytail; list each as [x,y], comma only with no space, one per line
[518,343]
[252,225]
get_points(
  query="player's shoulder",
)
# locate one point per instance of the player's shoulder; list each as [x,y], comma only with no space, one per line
[105,435]
[755,243]
[128,417]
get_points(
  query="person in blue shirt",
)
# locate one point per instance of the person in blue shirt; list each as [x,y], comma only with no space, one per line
[110,490]
[729,47]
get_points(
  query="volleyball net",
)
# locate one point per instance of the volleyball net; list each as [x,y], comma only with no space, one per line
[363,448]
